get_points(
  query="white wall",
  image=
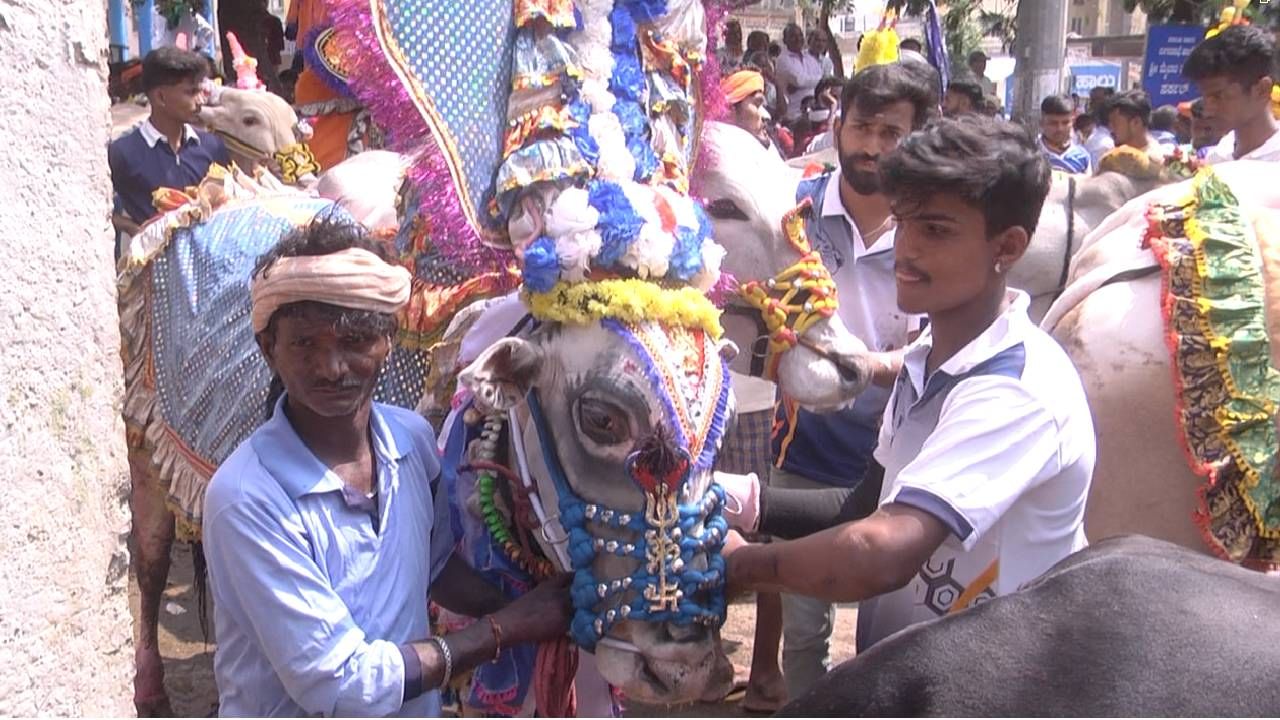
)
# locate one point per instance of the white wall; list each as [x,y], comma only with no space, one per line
[65,633]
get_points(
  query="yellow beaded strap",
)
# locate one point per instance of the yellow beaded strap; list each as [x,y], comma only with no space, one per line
[797,297]
[295,161]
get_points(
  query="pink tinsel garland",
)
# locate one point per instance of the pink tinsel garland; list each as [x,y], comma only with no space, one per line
[714,107]
[375,84]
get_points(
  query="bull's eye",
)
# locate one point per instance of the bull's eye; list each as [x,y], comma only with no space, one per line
[249,120]
[604,423]
[725,209]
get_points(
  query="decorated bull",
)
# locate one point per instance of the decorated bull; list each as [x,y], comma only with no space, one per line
[583,441]
[1171,318]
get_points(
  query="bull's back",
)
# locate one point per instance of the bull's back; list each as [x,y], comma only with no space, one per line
[1131,626]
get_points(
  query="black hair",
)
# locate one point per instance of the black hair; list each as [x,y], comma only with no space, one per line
[915,44]
[1131,104]
[1055,105]
[977,55]
[170,66]
[829,81]
[1242,53]
[995,166]
[758,36]
[1164,117]
[878,86]
[1197,108]
[1082,120]
[323,236]
[774,49]
[757,60]
[969,88]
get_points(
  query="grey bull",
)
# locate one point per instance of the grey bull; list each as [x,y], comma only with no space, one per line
[1131,626]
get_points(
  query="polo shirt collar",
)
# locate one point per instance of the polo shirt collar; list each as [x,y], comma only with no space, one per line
[1227,147]
[833,206]
[288,459]
[1008,329]
[153,136]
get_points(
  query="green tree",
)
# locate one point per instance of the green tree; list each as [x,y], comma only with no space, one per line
[1202,11]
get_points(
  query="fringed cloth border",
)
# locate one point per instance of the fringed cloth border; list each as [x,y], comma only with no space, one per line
[181,474]
[1225,386]
[169,464]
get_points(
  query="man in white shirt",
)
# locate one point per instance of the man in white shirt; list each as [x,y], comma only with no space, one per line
[987,440]
[1100,141]
[797,73]
[852,227]
[820,48]
[1234,71]
[1129,117]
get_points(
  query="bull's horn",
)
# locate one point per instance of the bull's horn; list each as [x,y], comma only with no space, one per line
[246,65]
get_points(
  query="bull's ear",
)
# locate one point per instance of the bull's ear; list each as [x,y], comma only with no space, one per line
[502,375]
[728,350]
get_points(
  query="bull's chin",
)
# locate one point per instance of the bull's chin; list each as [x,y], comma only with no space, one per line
[667,682]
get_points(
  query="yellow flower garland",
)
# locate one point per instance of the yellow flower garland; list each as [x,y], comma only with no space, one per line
[630,301]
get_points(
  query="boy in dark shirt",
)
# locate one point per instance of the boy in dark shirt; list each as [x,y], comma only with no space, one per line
[165,151]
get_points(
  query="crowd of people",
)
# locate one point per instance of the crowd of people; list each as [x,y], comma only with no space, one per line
[972,451]
[893,154]
[809,70]
[1074,133]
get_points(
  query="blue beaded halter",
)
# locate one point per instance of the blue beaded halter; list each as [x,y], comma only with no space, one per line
[668,537]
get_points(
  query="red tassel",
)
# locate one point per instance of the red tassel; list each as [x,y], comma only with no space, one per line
[553,675]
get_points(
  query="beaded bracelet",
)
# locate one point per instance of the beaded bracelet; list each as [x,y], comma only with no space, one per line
[447,654]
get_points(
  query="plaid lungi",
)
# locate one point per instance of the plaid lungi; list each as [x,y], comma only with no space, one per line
[748,447]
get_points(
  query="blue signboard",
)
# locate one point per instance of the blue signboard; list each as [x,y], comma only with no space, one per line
[1167,49]
[1087,77]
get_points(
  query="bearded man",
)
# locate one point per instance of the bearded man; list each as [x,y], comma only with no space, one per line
[852,226]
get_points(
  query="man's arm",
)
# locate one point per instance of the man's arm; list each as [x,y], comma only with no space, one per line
[875,556]
[460,589]
[541,614]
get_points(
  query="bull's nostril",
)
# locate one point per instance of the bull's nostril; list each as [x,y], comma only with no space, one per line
[691,633]
[848,373]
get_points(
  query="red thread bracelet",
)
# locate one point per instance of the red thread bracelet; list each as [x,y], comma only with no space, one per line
[497,636]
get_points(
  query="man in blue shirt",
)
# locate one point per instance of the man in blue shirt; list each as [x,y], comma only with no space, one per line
[852,227]
[1055,138]
[326,531]
[165,151]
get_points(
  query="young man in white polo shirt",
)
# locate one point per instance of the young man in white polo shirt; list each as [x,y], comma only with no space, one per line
[987,441]
[1234,72]
[851,225]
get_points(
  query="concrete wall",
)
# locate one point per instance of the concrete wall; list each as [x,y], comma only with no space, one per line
[65,632]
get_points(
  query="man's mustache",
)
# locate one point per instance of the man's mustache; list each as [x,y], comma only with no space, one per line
[862,157]
[911,268]
[343,384]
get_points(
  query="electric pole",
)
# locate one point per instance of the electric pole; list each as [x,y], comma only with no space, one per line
[1040,49]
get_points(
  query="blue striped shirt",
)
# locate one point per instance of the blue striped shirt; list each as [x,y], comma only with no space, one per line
[1074,159]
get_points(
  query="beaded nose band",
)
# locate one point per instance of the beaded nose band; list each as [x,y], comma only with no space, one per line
[668,536]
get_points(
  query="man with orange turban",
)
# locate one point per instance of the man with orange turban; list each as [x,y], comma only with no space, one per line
[744,92]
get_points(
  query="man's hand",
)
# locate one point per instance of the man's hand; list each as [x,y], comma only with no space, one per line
[742,499]
[125,224]
[541,614]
